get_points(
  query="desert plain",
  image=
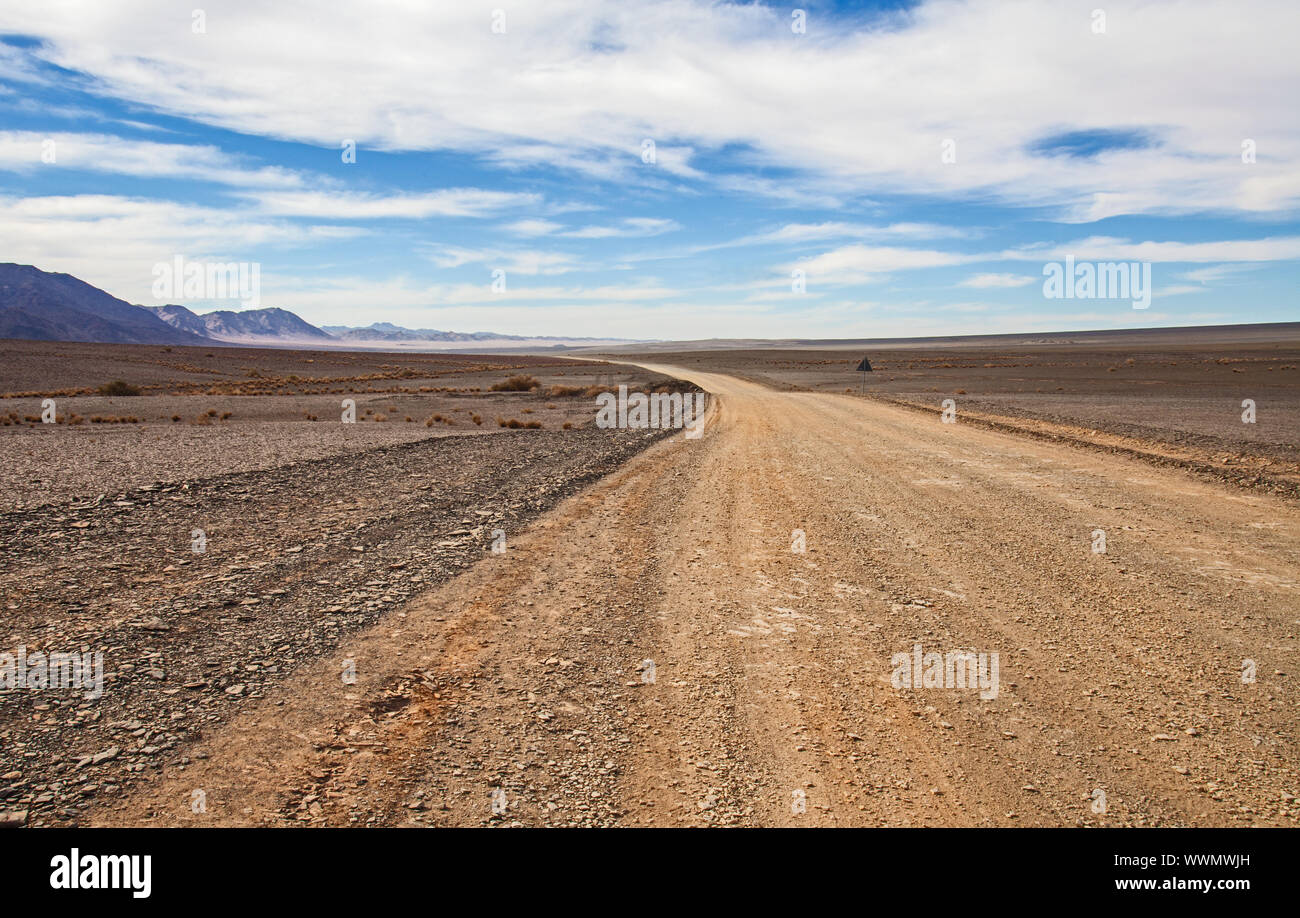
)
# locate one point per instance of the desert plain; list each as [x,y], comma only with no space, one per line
[673,631]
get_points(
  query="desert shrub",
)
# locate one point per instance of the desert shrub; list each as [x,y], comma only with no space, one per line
[520,383]
[477,419]
[119,387]
[564,391]
[568,425]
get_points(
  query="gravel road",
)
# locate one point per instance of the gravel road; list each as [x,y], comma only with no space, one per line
[654,651]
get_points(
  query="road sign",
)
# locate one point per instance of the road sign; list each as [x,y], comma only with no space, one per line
[864,368]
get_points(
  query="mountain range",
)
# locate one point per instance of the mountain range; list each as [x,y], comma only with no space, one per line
[387,331]
[44,306]
[250,326]
[58,307]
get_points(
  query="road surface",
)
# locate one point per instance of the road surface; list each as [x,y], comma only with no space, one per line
[656,652]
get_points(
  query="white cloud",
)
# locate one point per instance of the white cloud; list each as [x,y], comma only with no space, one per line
[631,227]
[845,111]
[533,227]
[514,261]
[339,205]
[523,309]
[1104,248]
[833,229]
[22,151]
[852,264]
[997,280]
[1215,273]
[114,242]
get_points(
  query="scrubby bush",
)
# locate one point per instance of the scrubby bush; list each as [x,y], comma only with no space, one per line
[119,387]
[564,391]
[520,383]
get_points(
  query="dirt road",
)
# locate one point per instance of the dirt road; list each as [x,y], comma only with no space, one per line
[1120,697]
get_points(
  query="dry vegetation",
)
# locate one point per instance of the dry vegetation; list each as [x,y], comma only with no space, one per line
[143,414]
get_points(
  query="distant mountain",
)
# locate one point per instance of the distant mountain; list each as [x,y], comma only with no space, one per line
[251,326]
[58,307]
[387,331]
[42,306]
[182,318]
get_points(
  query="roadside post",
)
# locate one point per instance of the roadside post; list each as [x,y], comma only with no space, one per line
[864,368]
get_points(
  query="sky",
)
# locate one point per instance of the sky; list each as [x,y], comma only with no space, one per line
[664,170]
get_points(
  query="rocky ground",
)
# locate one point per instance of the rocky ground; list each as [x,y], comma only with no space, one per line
[195,414]
[657,650]
[215,527]
[296,557]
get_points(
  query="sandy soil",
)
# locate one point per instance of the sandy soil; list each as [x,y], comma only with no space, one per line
[523,685]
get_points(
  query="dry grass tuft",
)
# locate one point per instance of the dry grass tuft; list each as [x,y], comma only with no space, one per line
[519,383]
[119,387]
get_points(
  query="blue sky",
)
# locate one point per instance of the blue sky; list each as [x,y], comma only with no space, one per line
[919,163]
